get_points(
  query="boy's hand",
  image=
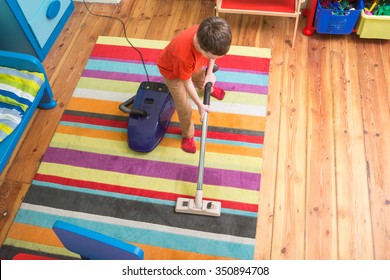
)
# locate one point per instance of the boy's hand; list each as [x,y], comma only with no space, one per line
[210,77]
[202,110]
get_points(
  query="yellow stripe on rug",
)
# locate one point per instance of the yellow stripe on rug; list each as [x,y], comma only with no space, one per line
[148,183]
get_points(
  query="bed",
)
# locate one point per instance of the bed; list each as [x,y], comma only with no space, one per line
[24,86]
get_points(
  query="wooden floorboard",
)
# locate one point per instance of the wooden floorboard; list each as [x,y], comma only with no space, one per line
[264,232]
[350,165]
[376,115]
[321,226]
[325,190]
[289,221]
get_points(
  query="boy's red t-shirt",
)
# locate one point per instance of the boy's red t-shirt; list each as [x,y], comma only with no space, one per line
[180,59]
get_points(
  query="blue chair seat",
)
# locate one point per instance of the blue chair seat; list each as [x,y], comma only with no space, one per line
[93,245]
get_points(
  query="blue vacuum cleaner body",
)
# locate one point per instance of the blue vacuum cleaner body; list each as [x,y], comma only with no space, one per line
[149,116]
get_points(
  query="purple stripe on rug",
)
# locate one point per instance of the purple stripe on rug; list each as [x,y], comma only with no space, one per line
[123,60]
[117,76]
[242,87]
[156,169]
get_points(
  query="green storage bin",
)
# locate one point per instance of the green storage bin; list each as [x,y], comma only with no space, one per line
[370,26]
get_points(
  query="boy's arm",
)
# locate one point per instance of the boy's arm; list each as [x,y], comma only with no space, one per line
[190,88]
[210,66]
[210,77]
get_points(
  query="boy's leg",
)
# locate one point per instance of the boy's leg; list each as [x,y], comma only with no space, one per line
[198,79]
[183,106]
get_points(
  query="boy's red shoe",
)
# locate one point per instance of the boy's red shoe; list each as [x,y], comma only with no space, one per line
[218,93]
[188,145]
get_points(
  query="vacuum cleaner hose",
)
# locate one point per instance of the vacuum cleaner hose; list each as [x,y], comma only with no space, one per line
[124,107]
[138,113]
[133,112]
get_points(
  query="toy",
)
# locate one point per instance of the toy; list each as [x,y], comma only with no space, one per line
[369,11]
[383,10]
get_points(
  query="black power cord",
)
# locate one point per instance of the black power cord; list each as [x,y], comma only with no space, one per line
[124,31]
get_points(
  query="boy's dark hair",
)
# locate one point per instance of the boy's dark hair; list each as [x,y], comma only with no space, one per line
[214,36]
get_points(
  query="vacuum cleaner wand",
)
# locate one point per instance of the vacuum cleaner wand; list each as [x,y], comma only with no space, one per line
[198,205]
[206,101]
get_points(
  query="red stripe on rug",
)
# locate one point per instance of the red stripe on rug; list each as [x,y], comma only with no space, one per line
[124,53]
[134,191]
[256,139]
[237,62]
[248,63]
[94,121]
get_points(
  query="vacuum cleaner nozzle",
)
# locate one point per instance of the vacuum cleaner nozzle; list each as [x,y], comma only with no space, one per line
[208,208]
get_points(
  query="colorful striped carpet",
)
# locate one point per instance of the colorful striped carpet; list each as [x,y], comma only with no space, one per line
[91,178]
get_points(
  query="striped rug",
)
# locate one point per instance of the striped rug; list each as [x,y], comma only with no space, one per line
[91,178]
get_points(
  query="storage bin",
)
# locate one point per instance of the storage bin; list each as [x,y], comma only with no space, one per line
[333,21]
[370,26]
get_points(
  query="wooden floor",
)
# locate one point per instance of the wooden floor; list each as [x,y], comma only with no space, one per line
[325,190]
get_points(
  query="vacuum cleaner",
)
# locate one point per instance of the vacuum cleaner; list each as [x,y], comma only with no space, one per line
[149,116]
[197,205]
[151,111]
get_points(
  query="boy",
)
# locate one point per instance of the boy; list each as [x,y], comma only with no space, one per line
[181,64]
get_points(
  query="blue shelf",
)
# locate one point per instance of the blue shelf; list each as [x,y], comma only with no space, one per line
[31,28]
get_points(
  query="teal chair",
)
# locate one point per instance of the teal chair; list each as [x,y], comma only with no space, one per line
[92,245]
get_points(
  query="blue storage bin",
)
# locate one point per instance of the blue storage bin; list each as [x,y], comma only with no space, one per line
[333,21]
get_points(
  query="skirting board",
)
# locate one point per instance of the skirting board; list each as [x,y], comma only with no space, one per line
[99,1]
